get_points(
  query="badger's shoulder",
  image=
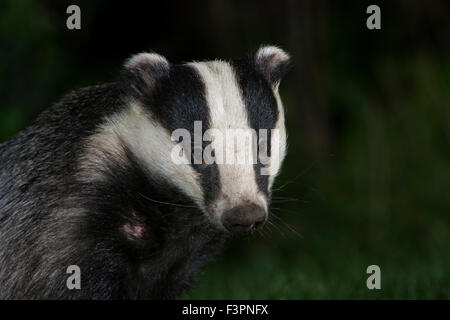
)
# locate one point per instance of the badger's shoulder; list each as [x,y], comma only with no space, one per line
[79,112]
[37,166]
[57,131]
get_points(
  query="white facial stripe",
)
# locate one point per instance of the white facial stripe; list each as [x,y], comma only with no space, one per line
[228,111]
[150,143]
[101,148]
[274,166]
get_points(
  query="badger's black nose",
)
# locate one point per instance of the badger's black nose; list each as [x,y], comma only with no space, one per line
[244,218]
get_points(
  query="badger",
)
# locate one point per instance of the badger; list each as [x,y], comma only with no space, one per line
[91,182]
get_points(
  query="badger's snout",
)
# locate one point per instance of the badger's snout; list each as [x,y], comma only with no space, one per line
[244,218]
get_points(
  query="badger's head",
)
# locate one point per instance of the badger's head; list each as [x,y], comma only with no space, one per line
[213,130]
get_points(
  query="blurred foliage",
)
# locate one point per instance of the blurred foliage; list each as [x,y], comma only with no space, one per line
[368,118]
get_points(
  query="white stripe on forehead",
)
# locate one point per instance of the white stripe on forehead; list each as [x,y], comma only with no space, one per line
[274,166]
[228,111]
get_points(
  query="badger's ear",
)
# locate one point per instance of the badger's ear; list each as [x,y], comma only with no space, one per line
[273,63]
[142,71]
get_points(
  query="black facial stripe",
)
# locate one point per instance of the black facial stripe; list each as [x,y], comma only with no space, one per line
[177,102]
[261,106]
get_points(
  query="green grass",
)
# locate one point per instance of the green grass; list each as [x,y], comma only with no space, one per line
[300,269]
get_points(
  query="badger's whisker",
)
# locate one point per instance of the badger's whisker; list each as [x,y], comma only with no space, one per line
[287,200]
[261,233]
[168,203]
[268,227]
[287,225]
[283,210]
[284,198]
[272,223]
[301,174]
[273,230]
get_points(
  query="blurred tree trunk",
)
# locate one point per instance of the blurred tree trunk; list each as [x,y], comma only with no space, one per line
[304,43]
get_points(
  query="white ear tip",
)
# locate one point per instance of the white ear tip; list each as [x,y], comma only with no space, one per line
[145,58]
[267,51]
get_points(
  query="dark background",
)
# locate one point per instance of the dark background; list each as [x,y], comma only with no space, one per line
[367,177]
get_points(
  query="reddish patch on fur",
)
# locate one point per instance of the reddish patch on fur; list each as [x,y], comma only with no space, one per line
[136,231]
